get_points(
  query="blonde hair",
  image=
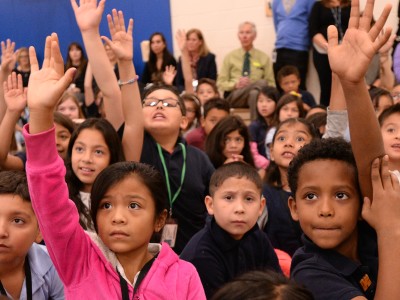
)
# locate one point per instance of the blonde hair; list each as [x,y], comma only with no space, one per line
[203,51]
[68,95]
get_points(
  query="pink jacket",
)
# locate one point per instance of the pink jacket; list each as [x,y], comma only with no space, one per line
[85,268]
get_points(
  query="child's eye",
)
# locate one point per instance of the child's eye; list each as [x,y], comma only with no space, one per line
[106,205]
[280,138]
[390,130]
[342,196]
[300,139]
[249,199]
[79,149]
[63,137]
[99,152]
[228,197]
[19,221]
[311,196]
[134,205]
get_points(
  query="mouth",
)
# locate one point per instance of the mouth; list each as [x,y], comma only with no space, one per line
[396,146]
[239,222]
[86,170]
[326,228]
[158,116]
[118,234]
[287,154]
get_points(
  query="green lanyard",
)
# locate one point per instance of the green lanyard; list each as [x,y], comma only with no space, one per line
[170,198]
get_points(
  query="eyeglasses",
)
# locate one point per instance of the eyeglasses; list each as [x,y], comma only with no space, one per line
[167,102]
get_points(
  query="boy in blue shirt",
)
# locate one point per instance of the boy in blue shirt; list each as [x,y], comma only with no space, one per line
[231,243]
[26,271]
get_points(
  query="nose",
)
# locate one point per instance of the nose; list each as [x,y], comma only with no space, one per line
[118,216]
[3,229]
[239,207]
[87,156]
[326,209]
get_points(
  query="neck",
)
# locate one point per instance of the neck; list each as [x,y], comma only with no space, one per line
[284,179]
[24,68]
[166,141]
[394,165]
[159,55]
[12,277]
[247,48]
[134,261]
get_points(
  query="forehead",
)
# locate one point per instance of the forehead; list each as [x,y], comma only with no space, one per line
[216,113]
[15,204]
[162,94]
[335,172]
[238,183]
[91,136]
[290,77]
[157,37]
[67,102]
[293,127]
[205,87]
[246,28]
[393,119]
[193,35]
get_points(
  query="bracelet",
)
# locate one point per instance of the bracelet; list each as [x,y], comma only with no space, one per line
[130,81]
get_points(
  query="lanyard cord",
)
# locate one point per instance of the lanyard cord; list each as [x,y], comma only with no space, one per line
[28,280]
[171,198]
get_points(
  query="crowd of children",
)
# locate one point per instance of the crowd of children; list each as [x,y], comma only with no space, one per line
[168,196]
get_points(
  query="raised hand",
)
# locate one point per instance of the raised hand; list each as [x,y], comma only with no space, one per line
[14,93]
[46,85]
[8,56]
[169,74]
[88,13]
[121,40]
[383,212]
[180,38]
[351,58]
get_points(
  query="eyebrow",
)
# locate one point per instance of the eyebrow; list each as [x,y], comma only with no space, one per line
[94,146]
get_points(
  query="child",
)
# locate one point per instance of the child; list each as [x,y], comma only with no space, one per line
[26,269]
[214,111]
[193,112]
[64,128]
[288,106]
[229,141]
[69,105]
[289,81]
[231,243]
[93,146]
[262,285]
[266,105]
[127,206]
[291,135]
[381,99]
[206,90]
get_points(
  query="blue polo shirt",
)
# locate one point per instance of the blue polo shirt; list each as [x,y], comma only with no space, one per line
[219,258]
[330,275]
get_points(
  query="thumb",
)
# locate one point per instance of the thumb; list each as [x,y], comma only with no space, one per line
[366,209]
[107,41]
[65,81]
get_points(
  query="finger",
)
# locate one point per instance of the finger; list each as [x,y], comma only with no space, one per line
[332,36]
[121,20]
[101,6]
[382,39]
[354,14]
[366,209]
[47,52]
[375,175]
[3,47]
[19,83]
[107,41]
[14,83]
[115,20]
[385,174]
[33,59]
[74,5]
[380,23]
[65,80]
[367,15]
[111,26]
[5,86]
[9,82]
[130,28]
[56,58]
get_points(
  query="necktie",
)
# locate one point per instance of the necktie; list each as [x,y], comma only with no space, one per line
[246,64]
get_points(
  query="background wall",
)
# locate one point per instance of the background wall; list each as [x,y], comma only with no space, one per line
[219,20]
[28,22]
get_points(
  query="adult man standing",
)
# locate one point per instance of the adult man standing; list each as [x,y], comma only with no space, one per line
[245,71]
[292,35]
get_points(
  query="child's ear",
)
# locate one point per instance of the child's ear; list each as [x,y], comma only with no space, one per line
[271,152]
[293,208]
[184,122]
[209,205]
[262,205]
[39,237]
[160,221]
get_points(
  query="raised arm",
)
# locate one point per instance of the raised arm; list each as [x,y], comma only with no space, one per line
[88,16]
[89,94]
[350,61]
[185,61]
[8,59]
[122,44]
[386,75]
[15,98]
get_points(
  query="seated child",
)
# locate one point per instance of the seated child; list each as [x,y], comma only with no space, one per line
[289,81]
[26,269]
[262,285]
[214,111]
[231,243]
[206,90]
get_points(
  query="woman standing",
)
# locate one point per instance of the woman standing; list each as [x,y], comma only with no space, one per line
[324,14]
[76,58]
[159,59]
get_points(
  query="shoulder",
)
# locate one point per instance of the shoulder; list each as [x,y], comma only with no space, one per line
[39,259]
[196,245]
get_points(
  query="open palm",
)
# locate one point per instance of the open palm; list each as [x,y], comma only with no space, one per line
[88,13]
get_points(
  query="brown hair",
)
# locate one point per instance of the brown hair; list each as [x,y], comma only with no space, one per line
[203,51]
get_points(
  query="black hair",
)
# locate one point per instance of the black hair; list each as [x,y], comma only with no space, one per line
[286,99]
[83,61]
[376,93]
[193,98]
[215,142]
[260,285]
[15,183]
[271,93]
[394,109]
[159,86]
[64,121]
[117,172]
[318,120]
[237,169]
[210,82]
[286,71]
[167,56]
[218,103]
[273,175]
[74,184]
[322,149]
